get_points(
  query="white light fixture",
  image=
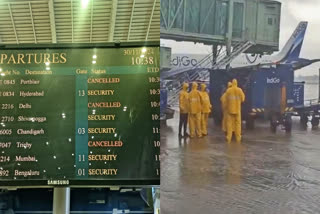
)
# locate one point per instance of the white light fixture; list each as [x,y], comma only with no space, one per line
[2,74]
[94,62]
[47,63]
[142,55]
[84,4]
[47,68]
[94,57]
[0,69]
[144,50]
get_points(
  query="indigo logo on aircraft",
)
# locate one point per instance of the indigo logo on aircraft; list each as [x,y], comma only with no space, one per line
[180,61]
[273,80]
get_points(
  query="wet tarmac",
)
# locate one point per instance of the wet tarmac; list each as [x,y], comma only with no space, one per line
[267,173]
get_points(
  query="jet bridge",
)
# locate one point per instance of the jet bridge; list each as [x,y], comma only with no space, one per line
[218,22]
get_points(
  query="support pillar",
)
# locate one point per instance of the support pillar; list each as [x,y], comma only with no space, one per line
[230,27]
[214,54]
[61,200]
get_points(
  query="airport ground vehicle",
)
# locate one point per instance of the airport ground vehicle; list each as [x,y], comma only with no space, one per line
[271,93]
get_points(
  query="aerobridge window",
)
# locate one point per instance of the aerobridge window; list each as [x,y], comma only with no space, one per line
[270,21]
[192,16]
[178,21]
[221,18]
[164,10]
[237,27]
[200,16]
[213,17]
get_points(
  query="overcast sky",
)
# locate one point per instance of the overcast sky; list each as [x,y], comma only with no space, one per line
[293,11]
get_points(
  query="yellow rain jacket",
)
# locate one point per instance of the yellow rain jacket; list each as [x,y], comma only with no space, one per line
[184,99]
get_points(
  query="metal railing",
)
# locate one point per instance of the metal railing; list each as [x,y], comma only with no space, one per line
[200,71]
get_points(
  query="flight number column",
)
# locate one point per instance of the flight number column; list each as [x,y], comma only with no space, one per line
[7,107]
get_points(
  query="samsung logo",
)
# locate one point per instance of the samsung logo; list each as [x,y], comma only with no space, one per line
[273,80]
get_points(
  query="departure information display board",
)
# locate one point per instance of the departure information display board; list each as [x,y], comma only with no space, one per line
[80,116]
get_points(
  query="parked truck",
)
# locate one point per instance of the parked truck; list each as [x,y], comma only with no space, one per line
[271,93]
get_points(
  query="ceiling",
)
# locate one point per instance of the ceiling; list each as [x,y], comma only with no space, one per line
[70,21]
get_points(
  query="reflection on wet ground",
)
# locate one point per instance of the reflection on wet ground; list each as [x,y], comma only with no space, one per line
[266,173]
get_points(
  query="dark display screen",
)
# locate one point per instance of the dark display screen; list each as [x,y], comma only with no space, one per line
[85,116]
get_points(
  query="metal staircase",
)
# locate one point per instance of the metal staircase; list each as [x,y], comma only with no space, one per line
[200,71]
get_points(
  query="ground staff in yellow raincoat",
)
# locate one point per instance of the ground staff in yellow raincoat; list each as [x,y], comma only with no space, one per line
[234,98]
[184,109]
[205,109]
[195,111]
[223,108]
